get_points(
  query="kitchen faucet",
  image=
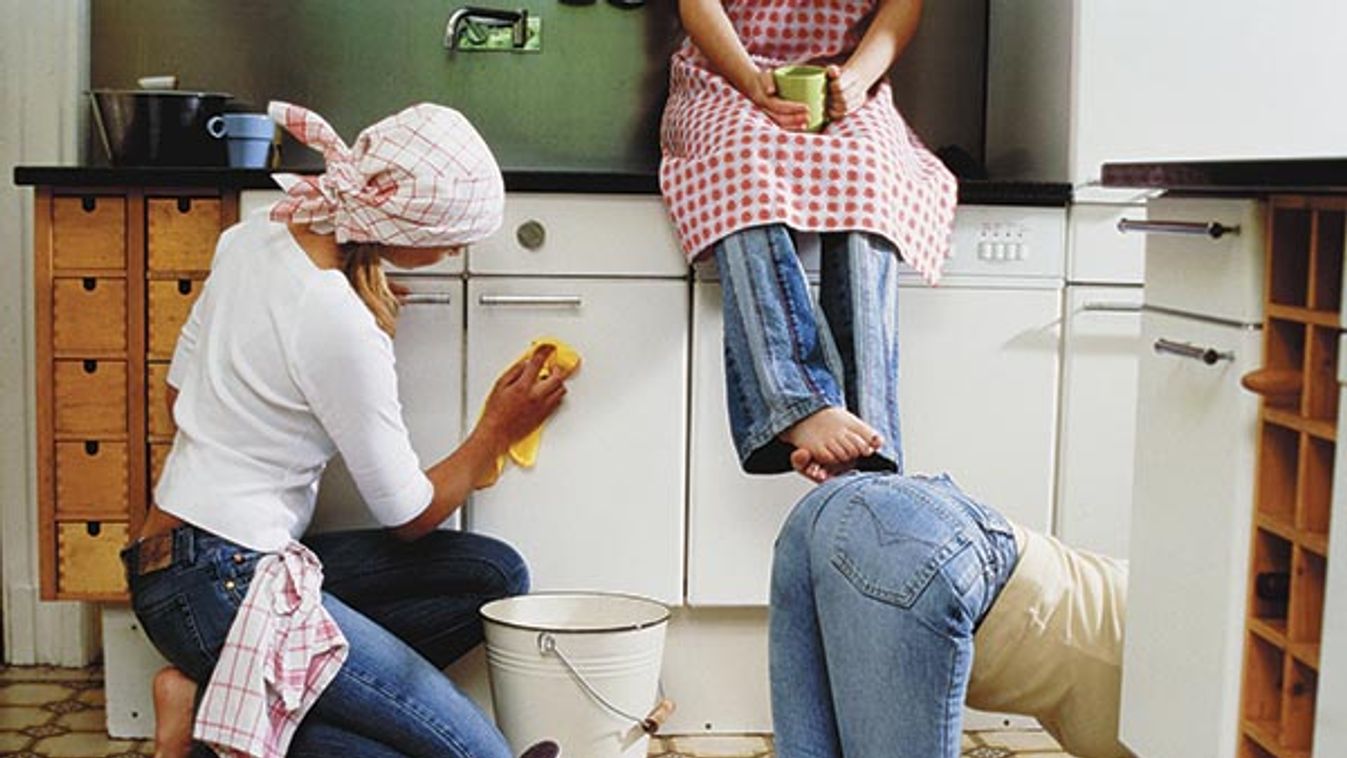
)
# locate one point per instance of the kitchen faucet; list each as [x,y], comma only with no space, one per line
[471,19]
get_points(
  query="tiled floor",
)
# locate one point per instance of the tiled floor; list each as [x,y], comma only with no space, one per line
[59,713]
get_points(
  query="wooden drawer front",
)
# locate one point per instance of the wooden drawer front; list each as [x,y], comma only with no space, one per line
[87,561]
[89,232]
[182,233]
[170,302]
[90,398]
[91,480]
[158,456]
[160,419]
[89,315]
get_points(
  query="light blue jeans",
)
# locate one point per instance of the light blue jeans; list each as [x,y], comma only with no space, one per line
[878,584]
[786,358]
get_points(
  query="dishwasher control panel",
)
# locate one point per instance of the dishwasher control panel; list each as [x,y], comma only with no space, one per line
[1008,241]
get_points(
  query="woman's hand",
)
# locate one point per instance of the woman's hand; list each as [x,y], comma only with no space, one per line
[520,401]
[847,91]
[787,114]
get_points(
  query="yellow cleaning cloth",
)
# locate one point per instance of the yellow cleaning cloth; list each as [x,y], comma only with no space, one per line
[524,452]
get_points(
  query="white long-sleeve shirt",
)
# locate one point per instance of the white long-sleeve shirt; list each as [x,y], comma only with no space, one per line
[279,367]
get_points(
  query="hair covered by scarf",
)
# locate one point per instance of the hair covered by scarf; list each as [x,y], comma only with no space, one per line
[422,177]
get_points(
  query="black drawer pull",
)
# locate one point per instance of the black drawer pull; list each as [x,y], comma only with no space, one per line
[93,528]
[90,366]
[91,447]
[184,286]
[90,284]
[88,203]
[184,205]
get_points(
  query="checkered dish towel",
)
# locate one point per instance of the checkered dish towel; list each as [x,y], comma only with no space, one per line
[283,649]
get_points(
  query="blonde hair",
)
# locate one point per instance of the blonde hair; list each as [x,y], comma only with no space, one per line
[361,265]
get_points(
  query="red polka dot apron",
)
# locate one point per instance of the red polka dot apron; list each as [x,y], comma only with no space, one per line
[727,166]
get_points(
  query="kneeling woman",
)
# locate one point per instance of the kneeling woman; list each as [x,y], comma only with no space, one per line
[882,588]
[333,647]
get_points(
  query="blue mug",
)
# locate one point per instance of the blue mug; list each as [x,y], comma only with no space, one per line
[248,137]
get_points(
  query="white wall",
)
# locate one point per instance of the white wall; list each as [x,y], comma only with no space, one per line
[44,65]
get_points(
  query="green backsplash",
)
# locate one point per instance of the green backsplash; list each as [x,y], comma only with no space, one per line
[591,100]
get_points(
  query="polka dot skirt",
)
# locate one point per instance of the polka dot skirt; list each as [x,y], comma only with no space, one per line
[727,166]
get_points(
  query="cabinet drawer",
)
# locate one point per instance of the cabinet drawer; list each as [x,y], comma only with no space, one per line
[89,316]
[581,234]
[156,389]
[91,479]
[170,302]
[158,456]
[1197,274]
[182,233]
[87,561]
[90,398]
[89,232]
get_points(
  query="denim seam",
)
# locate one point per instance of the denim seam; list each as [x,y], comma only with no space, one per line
[408,707]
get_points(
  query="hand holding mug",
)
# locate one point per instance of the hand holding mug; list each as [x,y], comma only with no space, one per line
[787,114]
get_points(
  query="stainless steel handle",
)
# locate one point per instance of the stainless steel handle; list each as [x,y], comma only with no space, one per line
[1208,355]
[1110,307]
[551,301]
[1213,229]
[428,298]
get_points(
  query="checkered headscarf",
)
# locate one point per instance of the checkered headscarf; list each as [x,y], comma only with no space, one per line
[422,178]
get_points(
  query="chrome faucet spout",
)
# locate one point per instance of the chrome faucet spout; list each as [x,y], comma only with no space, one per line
[518,21]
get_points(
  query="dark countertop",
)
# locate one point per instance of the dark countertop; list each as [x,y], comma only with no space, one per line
[971,192]
[1258,177]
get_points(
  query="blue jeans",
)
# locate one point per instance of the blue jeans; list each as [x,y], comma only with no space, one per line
[786,359]
[878,584]
[407,610]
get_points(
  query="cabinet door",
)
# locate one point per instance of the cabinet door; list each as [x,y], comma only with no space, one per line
[429,350]
[733,518]
[1189,545]
[978,391]
[1099,407]
[603,507]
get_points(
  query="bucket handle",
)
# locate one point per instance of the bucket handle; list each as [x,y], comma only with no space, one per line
[650,723]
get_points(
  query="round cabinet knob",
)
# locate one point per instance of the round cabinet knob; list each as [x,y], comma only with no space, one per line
[531,234]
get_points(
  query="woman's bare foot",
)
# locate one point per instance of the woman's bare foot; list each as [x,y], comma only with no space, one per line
[174,701]
[833,437]
[805,465]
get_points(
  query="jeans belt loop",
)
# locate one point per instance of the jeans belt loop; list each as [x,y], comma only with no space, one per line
[184,545]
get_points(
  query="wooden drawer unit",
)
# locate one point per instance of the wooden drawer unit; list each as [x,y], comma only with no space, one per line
[88,564]
[161,426]
[182,233]
[169,303]
[115,274]
[88,232]
[158,456]
[90,398]
[92,480]
[89,317]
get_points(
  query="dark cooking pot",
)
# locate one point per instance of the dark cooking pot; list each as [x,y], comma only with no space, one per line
[159,127]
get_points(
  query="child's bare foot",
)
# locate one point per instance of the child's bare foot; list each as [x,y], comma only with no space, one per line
[174,701]
[833,437]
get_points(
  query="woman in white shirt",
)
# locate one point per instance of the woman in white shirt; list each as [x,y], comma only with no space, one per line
[285,361]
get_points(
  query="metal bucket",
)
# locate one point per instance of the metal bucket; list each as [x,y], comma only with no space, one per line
[581,669]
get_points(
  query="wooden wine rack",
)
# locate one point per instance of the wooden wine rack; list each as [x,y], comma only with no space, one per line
[1294,481]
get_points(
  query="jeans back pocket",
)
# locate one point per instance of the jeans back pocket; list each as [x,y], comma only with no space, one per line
[894,537]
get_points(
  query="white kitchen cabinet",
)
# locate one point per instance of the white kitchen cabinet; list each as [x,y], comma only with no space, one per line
[603,507]
[1097,251]
[581,235]
[733,517]
[1074,84]
[979,373]
[1098,424]
[429,352]
[1189,544]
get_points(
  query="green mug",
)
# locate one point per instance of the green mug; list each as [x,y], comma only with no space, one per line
[808,85]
